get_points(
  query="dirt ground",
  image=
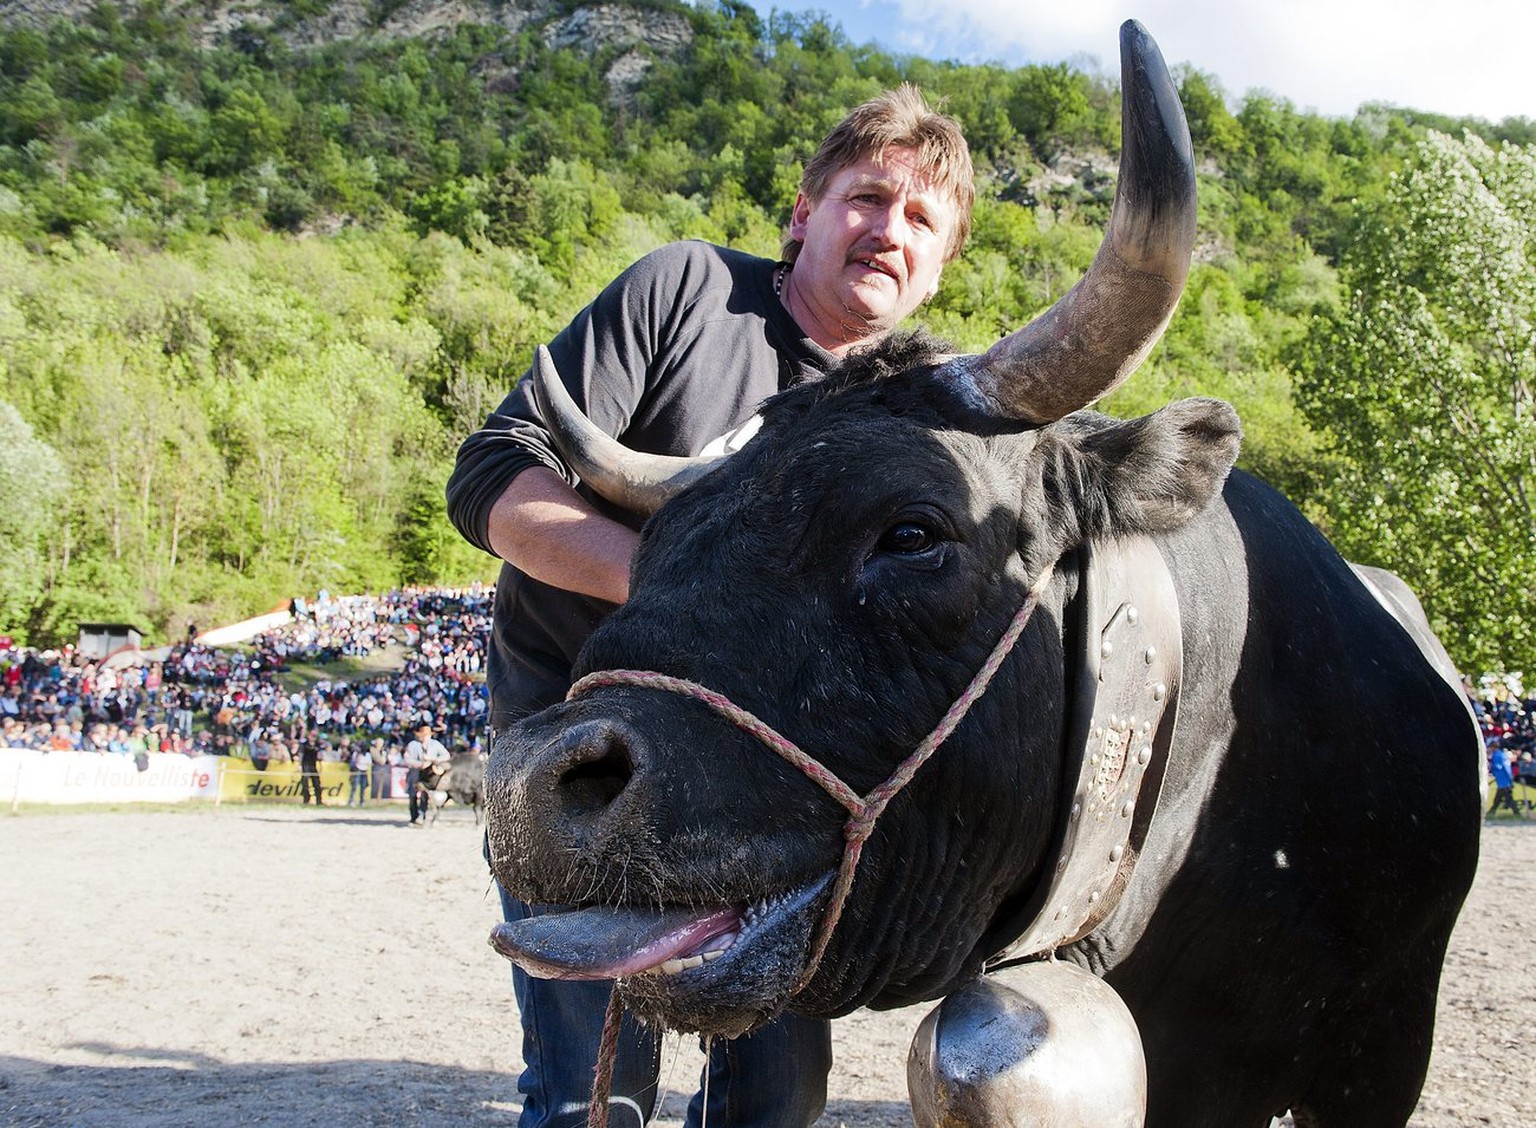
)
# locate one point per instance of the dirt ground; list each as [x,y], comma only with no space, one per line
[300,967]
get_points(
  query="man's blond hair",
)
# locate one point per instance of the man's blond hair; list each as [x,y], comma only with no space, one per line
[899,118]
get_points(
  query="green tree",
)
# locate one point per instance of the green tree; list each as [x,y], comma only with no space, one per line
[32,481]
[1422,381]
[1051,104]
[244,130]
[450,201]
[1211,125]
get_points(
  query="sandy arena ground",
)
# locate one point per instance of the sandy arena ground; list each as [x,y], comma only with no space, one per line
[300,967]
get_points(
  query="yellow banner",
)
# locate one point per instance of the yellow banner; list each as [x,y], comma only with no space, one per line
[280,782]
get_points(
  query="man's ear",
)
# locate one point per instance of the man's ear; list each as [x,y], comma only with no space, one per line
[799,217]
[934,289]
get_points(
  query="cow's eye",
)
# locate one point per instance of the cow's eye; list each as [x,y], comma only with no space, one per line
[907,538]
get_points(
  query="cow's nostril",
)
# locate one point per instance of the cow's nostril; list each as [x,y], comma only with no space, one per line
[592,784]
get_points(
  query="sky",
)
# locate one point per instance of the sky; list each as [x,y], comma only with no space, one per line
[1465,57]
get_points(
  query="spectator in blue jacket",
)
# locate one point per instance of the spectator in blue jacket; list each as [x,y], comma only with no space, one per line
[1503,781]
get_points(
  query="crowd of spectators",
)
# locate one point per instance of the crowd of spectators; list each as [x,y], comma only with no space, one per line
[1506,714]
[235,700]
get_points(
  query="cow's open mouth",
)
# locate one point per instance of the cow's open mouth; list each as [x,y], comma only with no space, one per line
[678,960]
[617,941]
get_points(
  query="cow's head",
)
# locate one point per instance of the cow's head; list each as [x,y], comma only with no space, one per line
[842,578]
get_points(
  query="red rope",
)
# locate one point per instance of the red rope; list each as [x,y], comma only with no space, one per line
[607,1051]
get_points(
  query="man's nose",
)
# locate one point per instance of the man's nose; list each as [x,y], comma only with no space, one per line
[889,226]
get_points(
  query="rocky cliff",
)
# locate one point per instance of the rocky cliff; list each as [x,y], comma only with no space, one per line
[637,34]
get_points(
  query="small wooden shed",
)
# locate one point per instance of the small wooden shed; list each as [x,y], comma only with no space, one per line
[97,640]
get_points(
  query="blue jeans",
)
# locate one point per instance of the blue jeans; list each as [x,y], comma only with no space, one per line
[775,1077]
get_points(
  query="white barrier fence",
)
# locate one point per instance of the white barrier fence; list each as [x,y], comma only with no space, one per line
[32,776]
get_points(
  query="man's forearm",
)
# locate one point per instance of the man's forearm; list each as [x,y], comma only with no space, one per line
[552,533]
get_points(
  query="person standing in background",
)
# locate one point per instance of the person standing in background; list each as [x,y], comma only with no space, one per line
[378,754]
[361,763]
[1500,768]
[309,768]
[422,755]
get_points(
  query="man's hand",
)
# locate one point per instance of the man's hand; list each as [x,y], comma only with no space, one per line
[551,532]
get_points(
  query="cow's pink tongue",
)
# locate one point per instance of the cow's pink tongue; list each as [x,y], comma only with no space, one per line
[607,943]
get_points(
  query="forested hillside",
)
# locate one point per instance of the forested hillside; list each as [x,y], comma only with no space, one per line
[262,267]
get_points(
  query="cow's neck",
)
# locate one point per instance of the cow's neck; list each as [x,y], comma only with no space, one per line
[1129,659]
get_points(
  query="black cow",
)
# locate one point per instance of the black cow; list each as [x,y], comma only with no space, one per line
[461,780]
[1284,862]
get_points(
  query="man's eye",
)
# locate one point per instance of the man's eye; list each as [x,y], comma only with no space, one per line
[907,538]
[922,221]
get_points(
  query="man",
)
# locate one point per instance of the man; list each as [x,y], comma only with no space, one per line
[673,357]
[360,762]
[379,768]
[182,711]
[424,759]
[309,768]
[1500,768]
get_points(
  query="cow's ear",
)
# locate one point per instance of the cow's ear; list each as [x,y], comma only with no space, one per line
[1147,475]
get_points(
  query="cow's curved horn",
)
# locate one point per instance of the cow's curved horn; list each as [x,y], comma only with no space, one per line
[630,479]
[1099,331]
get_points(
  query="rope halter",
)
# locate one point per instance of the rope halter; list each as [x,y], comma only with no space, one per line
[862,812]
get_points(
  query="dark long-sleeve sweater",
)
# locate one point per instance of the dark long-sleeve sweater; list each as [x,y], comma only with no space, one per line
[677,352]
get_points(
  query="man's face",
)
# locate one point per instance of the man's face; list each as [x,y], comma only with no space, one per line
[872,246]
